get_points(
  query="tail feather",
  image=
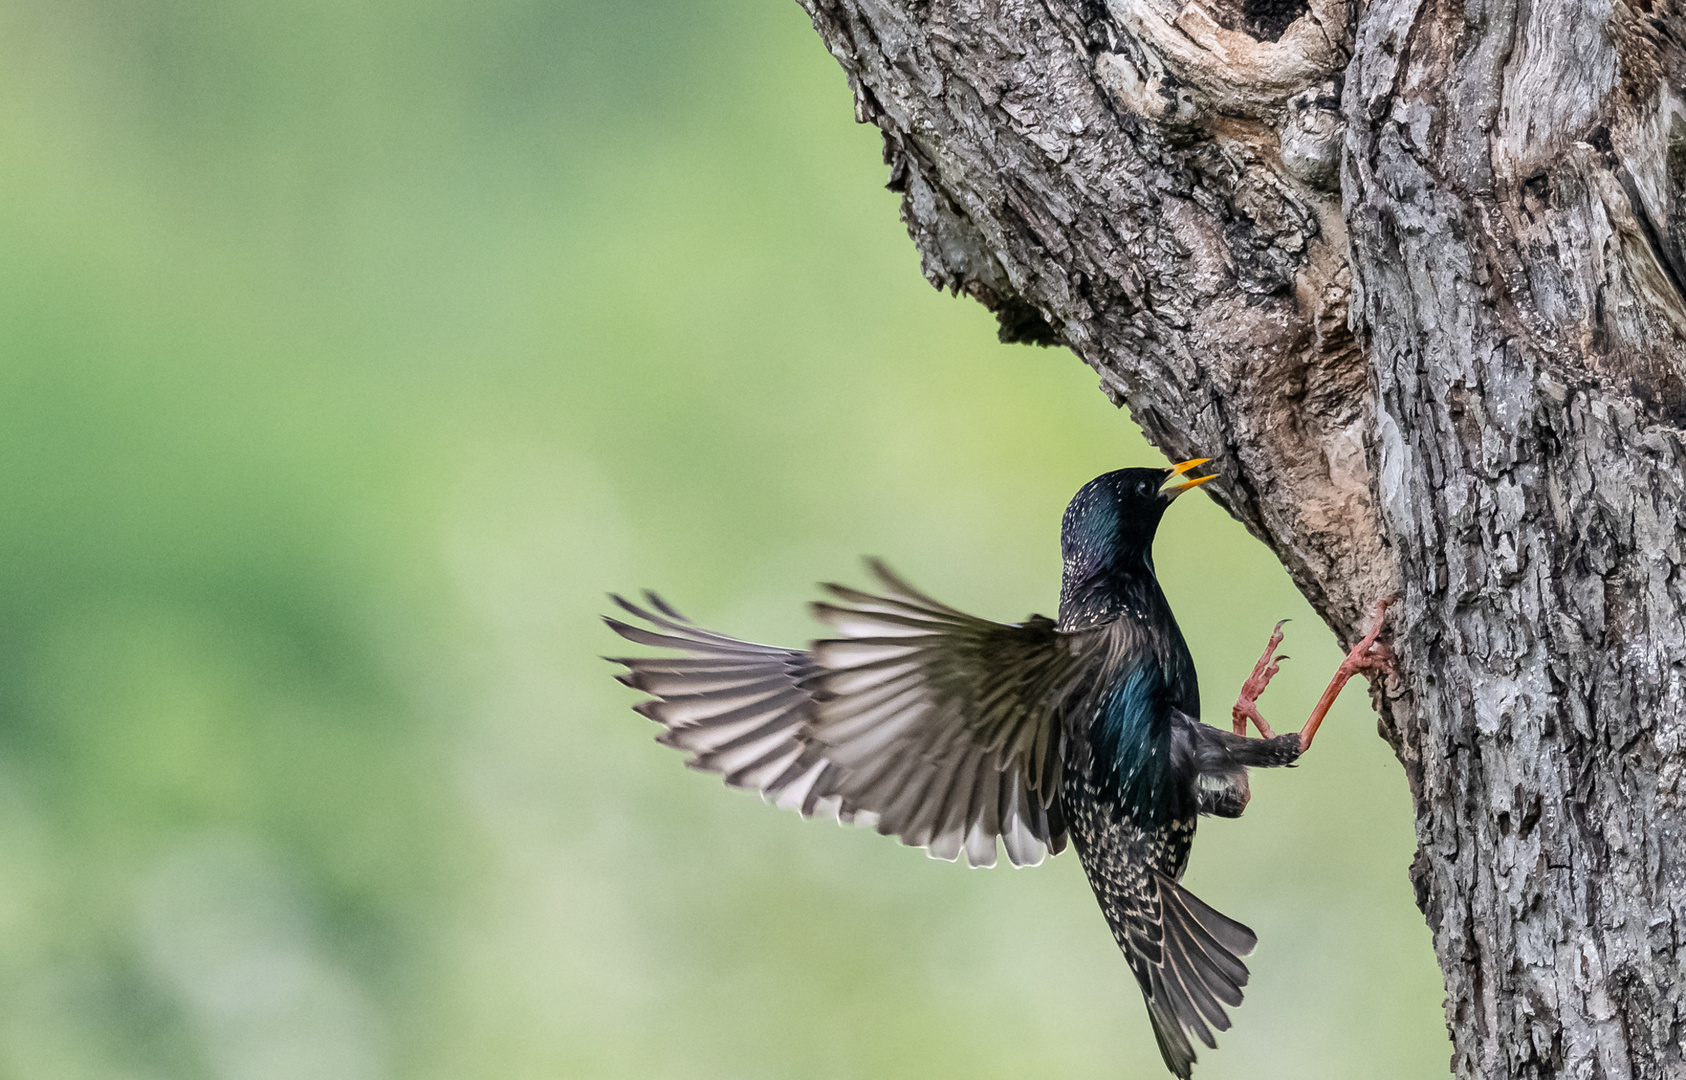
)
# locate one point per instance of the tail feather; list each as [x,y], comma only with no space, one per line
[1201,972]
[1238,939]
[1169,987]
[1212,973]
[1174,1046]
[1185,955]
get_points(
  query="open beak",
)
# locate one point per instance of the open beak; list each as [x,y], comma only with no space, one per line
[1171,491]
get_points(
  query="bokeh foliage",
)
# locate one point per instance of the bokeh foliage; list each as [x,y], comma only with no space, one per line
[351,350]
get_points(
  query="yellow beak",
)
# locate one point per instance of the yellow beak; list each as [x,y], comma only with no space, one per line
[1171,491]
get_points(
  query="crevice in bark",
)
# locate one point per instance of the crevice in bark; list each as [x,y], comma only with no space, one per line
[1653,235]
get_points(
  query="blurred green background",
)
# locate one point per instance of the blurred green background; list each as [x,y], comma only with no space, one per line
[351,351]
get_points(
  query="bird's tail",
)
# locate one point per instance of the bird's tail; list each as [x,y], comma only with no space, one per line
[1187,958]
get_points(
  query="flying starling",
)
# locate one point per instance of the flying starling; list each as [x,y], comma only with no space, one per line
[953,732]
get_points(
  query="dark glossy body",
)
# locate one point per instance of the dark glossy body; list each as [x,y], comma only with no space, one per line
[1140,768]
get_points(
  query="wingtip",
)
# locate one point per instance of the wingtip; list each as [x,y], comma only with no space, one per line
[628,606]
[655,600]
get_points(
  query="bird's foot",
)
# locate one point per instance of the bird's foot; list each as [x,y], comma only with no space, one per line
[1246,705]
[1369,657]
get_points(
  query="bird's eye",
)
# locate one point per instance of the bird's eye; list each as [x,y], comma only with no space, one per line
[1145,487]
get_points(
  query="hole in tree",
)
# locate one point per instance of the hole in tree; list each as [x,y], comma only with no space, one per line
[1021,322]
[1268,19]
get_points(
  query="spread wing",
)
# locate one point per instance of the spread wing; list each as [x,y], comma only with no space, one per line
[941,727]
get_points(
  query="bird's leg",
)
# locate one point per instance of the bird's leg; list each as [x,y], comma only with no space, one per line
[1246,705]
[1367,656]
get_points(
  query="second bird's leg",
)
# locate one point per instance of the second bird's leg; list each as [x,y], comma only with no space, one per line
[1367,656]
[1246,706]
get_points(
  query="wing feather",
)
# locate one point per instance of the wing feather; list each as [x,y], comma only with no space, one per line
[936,726]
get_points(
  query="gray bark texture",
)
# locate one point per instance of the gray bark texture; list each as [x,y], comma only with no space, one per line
[1412,271]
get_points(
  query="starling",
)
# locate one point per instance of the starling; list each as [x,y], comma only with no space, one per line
[953,733]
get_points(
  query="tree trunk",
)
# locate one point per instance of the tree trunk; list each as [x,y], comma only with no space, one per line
[1413,273]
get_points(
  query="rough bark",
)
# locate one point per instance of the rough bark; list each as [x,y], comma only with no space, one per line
[1414,270]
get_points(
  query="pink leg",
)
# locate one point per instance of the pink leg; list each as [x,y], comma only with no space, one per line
[1367,656]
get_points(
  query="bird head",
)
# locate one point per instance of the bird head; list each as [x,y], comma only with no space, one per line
[1109,526]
